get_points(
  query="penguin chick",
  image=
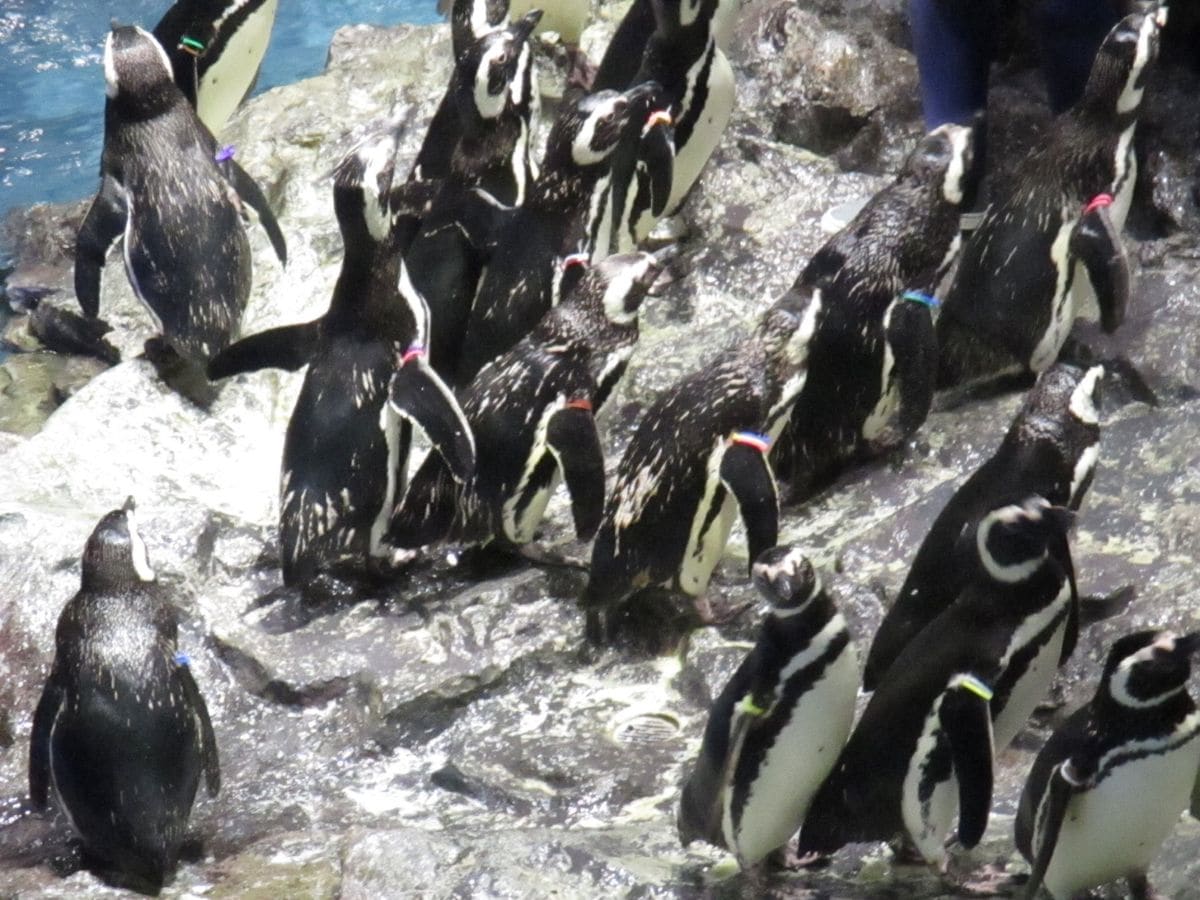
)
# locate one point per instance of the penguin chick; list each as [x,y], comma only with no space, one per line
[121,735]
[775,731]
[1050,449]
[1108,787]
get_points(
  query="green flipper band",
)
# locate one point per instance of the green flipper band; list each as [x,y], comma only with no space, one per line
[977,687]
[191,45]
[750,708]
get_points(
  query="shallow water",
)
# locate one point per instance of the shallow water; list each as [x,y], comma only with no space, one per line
[52,84]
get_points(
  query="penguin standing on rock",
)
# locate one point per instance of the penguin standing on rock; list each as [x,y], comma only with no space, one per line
[1044,254]
[873,357]
[1108,787]
[346,450]
[698,455]
[1050,449]
[776,729]
[121,735]
[925,746]
[532,412]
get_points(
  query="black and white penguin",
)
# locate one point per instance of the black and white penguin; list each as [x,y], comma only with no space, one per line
[186,252]
[532,412]
[627,46]
[489,164]
[216,48]
[924,748]
[697,456]
[1045,253]
[519,285]
[776,729]
[1108,787]
[873,357]
[121,735]
[346,450]
[684,54]
[1050,449]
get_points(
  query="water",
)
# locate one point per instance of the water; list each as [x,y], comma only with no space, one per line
[52,81]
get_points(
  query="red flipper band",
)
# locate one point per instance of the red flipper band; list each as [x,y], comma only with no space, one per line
[415,351]
[759,442]
[580,403]
[1097,202]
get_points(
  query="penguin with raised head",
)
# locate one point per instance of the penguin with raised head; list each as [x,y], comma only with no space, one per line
[873,356]
[1043,254]
[346,451]
[924,750]
[519,285]
[1108,787]
[488,165]
[185,250]
[121,736]
[776,729]
[532,412]
[216,48]
[697,456]
[1050,449]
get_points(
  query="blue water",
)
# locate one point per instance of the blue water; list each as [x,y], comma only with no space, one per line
[52,81]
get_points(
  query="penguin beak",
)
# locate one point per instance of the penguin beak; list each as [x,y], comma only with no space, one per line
[524,26]
[644,97]
[129,506]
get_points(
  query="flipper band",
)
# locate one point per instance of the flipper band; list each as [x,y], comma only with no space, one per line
[759,442]
[658,117]
[225,153]
[976,687]
[750,708]
[191,45]
[181,659]
[574,259]
[580,403]
[415,351]
[923,299]
[1098,202]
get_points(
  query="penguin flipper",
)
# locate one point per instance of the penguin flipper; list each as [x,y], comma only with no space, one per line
[911,336]
[418,393]
[575,443]
[247,188]
[747,475]
[39,742]
[426,514]
[1062,553]
[1058,796]
[482,219]
[967,721]
[287,347]
[103,224]
[209,759]
[1098,246]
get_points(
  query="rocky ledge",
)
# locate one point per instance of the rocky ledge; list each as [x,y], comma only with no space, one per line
[453,737]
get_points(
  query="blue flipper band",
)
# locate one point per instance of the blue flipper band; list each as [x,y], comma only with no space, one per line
[923,299]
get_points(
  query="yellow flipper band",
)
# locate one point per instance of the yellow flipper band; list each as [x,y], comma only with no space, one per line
[750,708]
[977,687]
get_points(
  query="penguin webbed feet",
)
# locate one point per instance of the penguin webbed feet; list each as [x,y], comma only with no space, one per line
[1098,607]
[186,377]
[1123,380]
[653,621]
[990,880]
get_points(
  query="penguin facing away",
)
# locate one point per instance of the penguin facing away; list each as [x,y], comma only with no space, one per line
[186,253]
[1051,249]
[696,457]
[346,450]
[775,731]
[1050,449]
[873,357]
[1108,786]
[216,48]
[923,751]
[121,735]
[532,413]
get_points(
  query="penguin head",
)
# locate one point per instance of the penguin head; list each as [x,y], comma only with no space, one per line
[672,16]
[943,161]
[137,72]
[491,74]
[587,132]
[472,19]
[362,182]
[1012,540]
[786,578]
[787,329]
[1148,667]
[619,284]
[1119,71]
[115,555]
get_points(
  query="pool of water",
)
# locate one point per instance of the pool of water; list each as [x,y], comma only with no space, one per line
[52,81]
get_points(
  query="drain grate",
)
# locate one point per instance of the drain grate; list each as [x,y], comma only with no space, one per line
[646,728]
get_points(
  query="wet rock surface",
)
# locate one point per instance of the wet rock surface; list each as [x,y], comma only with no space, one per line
[451,736]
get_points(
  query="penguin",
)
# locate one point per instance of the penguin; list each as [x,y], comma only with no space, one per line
[216,48]
[623,55]
[1051,248]
[346,449]
[696,457]
[185,250]
[925,746]
[532,412]
[489,165]
[519,284]
[684,54]
[1108,786]
[1051,449]
[873,357]
[121,735]
[775,730]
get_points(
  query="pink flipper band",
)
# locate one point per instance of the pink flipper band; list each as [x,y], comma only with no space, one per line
[1097,202]
[759,442]
[580,403]
[416,351]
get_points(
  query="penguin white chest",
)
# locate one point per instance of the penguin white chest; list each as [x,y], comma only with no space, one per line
[1062,303]
[711,524]
[1033,684]
[521,519]
[929,803]
[715,96]
[228,79]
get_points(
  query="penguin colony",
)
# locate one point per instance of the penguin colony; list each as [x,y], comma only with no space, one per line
[479,302]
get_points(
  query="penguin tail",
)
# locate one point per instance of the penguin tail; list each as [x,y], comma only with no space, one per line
[830,823]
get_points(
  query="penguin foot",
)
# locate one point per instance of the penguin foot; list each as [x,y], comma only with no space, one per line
[1093,609]
[550,560]
[709,616]
[185,377]
[992,880]
[788,860]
